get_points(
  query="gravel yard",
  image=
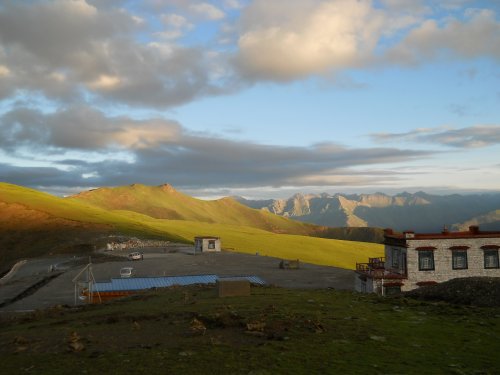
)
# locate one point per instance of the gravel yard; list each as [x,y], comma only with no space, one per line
[172,261]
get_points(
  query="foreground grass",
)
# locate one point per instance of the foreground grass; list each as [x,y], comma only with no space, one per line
[291,332]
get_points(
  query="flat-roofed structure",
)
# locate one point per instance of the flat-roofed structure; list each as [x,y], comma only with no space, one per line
[206,244]
[416,259]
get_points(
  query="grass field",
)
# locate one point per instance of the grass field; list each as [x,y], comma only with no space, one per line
[234,237]
[273,331]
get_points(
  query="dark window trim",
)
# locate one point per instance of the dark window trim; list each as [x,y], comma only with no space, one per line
[454,254]
[397,258]
[459,248]
[420,254]
[493,251]
[425,248]
[490,247]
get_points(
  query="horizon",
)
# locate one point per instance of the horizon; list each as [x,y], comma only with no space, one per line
[252,98]
[280,194]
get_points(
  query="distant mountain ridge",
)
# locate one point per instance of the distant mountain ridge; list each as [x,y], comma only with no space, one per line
[419,211]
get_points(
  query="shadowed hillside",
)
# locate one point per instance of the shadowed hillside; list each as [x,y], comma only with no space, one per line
[33,223]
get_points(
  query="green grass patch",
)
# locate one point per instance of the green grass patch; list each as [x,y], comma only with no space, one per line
[273,331]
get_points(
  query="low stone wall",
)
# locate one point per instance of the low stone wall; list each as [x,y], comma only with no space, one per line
[135,244]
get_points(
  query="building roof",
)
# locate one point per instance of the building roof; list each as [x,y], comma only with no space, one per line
[143,283]
[395,238]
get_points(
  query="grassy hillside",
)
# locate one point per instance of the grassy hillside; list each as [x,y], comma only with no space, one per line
[273,331]
[164,202]
[249,240]
[60,220]
[34,223]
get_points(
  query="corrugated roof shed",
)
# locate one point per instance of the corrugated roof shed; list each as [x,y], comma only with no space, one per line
[142,283]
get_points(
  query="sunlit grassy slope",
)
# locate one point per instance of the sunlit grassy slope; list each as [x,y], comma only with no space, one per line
[234,237]
[78,212]
[164,202]
[243,239]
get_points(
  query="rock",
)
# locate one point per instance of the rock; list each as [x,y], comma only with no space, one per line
[256,326]
[197,327]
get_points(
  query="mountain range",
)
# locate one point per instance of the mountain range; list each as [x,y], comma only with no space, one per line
[420,211]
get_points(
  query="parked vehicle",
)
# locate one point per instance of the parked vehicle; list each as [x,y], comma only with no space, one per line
[135,256]
[126,272]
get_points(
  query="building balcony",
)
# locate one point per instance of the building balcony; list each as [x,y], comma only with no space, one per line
[375,268]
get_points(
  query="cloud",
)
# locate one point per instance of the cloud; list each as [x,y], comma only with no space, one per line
[477,36]
[207,11]
[471,137]
[163,151]
[103,52]
[61,47]
[284,41]
[233,4]
[81,128]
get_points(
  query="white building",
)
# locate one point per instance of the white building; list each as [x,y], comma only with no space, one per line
[205,244]
[412,260]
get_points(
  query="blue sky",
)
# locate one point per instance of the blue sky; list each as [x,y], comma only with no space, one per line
[256,98]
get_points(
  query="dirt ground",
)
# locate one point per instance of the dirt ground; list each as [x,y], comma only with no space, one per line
[174,261]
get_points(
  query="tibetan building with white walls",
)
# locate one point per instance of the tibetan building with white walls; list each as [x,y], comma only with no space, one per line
[413,259]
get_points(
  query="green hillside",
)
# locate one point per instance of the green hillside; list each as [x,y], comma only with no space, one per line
[164,202]
[47,220]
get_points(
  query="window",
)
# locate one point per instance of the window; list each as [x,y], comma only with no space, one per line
[426,260]
[396,253]
[491,259]
[459,259]
[211,244]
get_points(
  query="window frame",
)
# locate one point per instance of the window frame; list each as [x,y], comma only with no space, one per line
[395,257]
[494,252]
[427,254]
[211,244]
[457,254]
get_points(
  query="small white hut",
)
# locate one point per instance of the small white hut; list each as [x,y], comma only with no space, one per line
[203,244]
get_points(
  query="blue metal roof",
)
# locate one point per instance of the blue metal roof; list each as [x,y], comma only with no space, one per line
[142,283]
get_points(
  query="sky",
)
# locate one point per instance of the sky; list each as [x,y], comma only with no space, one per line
[257,98]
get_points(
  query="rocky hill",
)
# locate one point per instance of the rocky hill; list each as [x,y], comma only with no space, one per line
[420,211]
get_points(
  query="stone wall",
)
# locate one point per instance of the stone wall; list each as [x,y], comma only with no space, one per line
[135,243]
[443,268]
